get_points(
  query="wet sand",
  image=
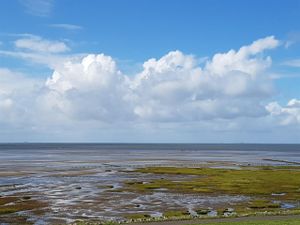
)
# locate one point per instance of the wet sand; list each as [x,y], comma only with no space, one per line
[71,182]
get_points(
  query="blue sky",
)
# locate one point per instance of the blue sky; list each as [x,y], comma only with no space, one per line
[57,86]
[140,29]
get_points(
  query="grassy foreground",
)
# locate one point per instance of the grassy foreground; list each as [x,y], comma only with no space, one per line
[282,222]
[279,222]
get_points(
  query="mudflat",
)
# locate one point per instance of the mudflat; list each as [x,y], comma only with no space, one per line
[67,184]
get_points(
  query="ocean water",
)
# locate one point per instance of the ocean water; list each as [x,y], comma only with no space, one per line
[68,175]
[26,152]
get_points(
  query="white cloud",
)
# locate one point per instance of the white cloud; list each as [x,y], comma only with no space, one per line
[91,89]
[17,94]
[173,92]
[42,8]
[38,44]
[245,60]
[173,88]
[231,85]
[66,26]
[285,115]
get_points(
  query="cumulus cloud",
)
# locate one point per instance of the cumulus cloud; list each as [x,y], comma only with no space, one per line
[285,115]
[173,88]
[230,85]
[245,60]
[91,89]
[228,90]
[17,94]
[38,44]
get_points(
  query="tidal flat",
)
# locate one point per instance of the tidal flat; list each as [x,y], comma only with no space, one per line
[86,184]
[248,190]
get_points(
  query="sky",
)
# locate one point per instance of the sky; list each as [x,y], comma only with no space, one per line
[190,71]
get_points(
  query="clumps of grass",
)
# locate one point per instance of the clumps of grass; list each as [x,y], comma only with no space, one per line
[137,217]
[263,204]
[95,223]
[260,183]
[105,186]
[8,209]
[269,222]
[16,219]
[246,181]
[20,205]
[221,212]
[202,211]
[7,199]
[110,223]
[133,182]
[167,215]
[176,214]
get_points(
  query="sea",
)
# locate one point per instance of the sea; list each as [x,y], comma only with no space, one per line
[47,153]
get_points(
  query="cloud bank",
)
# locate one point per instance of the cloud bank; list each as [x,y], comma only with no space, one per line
[172,88]
[229,92]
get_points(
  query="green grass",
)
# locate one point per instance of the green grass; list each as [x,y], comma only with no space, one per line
[176,214]
[263,204]
[247,181]
[259,183]
[95,223]
[137,216]
[19,204]
[281,222]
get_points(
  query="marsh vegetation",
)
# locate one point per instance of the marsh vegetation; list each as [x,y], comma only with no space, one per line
[267,189]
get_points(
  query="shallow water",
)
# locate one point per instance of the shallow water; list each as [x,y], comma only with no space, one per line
[76,180]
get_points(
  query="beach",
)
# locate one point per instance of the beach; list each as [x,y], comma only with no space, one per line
[65,183]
